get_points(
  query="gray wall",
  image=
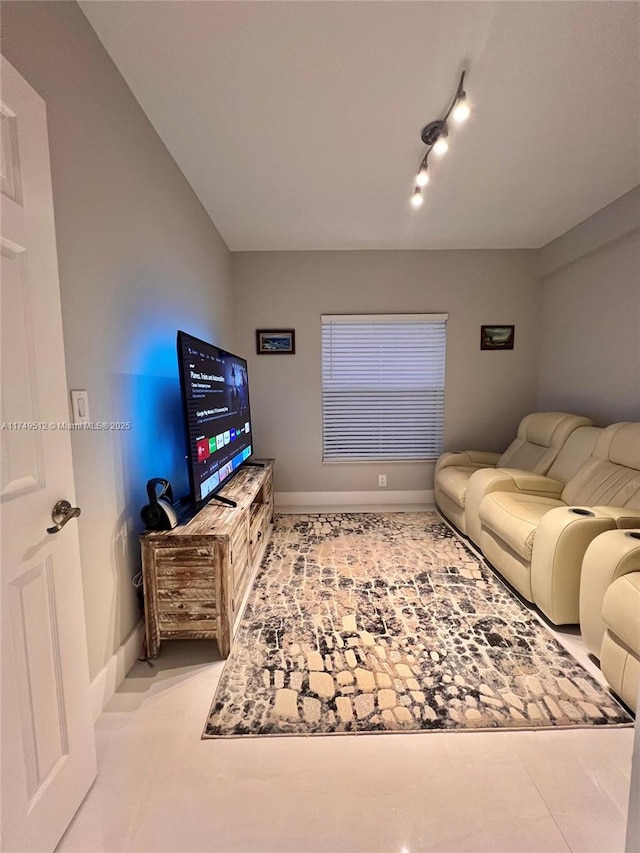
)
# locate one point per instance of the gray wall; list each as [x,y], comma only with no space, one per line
[487,393]
[590,336]
[138,258]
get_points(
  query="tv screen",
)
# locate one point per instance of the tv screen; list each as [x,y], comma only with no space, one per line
[215,396]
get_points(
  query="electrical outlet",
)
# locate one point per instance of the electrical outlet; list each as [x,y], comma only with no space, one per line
[382,481]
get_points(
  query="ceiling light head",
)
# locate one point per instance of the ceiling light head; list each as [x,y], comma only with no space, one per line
[422,178]
[462,109]
[416,198]
[441,145]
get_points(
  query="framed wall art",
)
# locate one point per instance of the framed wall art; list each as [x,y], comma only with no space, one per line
[496,337]
[275,341]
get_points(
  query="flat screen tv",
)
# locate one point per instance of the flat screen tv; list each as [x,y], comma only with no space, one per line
[215,398]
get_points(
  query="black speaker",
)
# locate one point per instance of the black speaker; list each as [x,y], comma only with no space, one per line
[159,514]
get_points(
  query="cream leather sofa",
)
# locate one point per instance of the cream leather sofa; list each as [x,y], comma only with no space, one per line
[610,609]
[538,441]
[536,531]
[572,455]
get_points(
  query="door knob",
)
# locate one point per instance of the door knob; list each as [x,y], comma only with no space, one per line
[61,513]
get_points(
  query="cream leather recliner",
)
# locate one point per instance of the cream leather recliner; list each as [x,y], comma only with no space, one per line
[539,439]
[610,609]
[536,533]
[573,454]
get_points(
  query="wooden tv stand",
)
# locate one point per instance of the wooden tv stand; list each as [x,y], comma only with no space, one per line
[198,575]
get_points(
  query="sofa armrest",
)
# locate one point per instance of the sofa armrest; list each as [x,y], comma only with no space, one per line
[624,517]
[610,556]
[488,480]
[561,539]
[468,458]
[535,484]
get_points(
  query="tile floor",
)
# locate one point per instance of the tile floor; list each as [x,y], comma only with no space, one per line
[161,788]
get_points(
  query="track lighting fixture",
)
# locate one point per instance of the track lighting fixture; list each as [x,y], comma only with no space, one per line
[435,136]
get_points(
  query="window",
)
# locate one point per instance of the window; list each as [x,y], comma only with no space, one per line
[382,386]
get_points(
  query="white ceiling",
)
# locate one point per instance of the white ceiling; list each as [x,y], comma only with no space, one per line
[298,123]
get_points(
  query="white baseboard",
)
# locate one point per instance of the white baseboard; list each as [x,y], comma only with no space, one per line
[111,676]
[351,499]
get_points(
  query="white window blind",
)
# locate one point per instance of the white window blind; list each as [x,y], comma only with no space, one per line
[382,386]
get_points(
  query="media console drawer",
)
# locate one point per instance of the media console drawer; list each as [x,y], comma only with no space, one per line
[197,576]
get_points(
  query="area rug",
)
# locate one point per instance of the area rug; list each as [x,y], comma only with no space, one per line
[387,622]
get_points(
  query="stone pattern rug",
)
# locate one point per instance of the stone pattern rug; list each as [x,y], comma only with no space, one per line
[386,622]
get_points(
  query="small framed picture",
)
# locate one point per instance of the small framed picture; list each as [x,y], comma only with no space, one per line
[275,341]
[496,337]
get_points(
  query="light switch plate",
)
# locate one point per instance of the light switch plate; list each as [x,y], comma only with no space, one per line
[80,407]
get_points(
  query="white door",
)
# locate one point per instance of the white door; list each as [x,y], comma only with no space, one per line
[48,746]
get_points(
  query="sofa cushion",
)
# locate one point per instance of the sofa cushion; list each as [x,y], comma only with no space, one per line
[611,476]
[514,517]
[454,480]
[621,610]
[574,453]
[603,483]
[620,444]
[540,436]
